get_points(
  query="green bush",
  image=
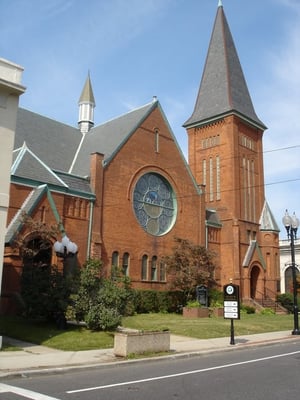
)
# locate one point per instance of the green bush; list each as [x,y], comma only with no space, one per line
[216,298]
[267,311]
[101,317]
[193,304]
[45,292]
[147,301]
[287,301]
[100,301]
[247,309]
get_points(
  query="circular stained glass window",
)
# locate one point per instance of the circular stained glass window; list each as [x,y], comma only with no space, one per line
[154,204]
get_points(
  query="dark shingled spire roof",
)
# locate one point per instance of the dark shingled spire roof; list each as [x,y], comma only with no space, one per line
[223,88]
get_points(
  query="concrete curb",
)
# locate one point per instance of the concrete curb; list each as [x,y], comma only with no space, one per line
[108,359]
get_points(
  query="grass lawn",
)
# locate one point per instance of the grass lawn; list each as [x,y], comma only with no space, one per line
[80,338]
[205,328]
[73,338]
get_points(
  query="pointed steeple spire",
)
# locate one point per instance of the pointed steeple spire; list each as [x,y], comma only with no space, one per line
[223,88]
[86,107]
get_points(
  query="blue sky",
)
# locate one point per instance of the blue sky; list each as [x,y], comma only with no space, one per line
[137,49]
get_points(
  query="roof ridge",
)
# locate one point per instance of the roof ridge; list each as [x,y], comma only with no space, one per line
[126,113]
[25,149]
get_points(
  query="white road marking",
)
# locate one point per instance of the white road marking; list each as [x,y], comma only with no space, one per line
[24,392]
[198,371]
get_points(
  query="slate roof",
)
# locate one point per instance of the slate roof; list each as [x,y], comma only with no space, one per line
[267,221]
[75,183]
[223,89]
[54,150]
[53,142]
[56,144]
[109,137]
[28,166]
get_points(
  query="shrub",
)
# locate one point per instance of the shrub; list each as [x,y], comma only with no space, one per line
[216,298]
[267,311]
[247,309]
[287,301]
[100,301]
[147,301]
[193,304]
[45,292]
[100,317]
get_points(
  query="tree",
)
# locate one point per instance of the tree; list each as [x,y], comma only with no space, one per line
[188,266]
[36,244]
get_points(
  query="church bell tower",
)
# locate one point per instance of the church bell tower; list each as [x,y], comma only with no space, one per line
[226,156]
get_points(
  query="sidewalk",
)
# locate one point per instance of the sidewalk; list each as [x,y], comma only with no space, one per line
[34,358]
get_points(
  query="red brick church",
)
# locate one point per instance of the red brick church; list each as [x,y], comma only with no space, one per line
[122,190]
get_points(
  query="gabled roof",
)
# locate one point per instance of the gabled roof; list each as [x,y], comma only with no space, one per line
[109,137]
[27,207]
[28,168]
[267,221]
[53,142]
[253,246]
[27,165]
[223,89]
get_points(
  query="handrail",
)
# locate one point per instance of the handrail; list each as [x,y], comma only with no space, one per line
[264,297]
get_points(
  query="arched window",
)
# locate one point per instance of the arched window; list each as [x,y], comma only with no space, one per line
[288,277]
[162,272]
[154,268]
[144,267]
[156,132]
[115,259]
[125,266]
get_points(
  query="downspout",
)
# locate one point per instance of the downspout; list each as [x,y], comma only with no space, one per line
[90,229]
[55,212]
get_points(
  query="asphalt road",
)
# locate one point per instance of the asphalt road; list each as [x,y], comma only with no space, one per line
[258,373]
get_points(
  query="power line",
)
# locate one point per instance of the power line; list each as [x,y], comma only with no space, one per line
[282,148]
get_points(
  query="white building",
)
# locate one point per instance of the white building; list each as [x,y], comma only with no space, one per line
[10,90]
[286,279]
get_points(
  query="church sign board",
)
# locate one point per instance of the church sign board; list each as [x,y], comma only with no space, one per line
[231,301]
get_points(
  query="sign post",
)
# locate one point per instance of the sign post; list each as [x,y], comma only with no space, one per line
[231,306]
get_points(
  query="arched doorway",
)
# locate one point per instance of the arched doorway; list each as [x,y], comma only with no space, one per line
[254,278]
[37,252]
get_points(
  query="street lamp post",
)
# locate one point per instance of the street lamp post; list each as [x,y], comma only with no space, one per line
[65,250]
[291,225]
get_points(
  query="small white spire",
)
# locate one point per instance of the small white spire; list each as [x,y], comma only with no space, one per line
[220,3]
[86,107]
